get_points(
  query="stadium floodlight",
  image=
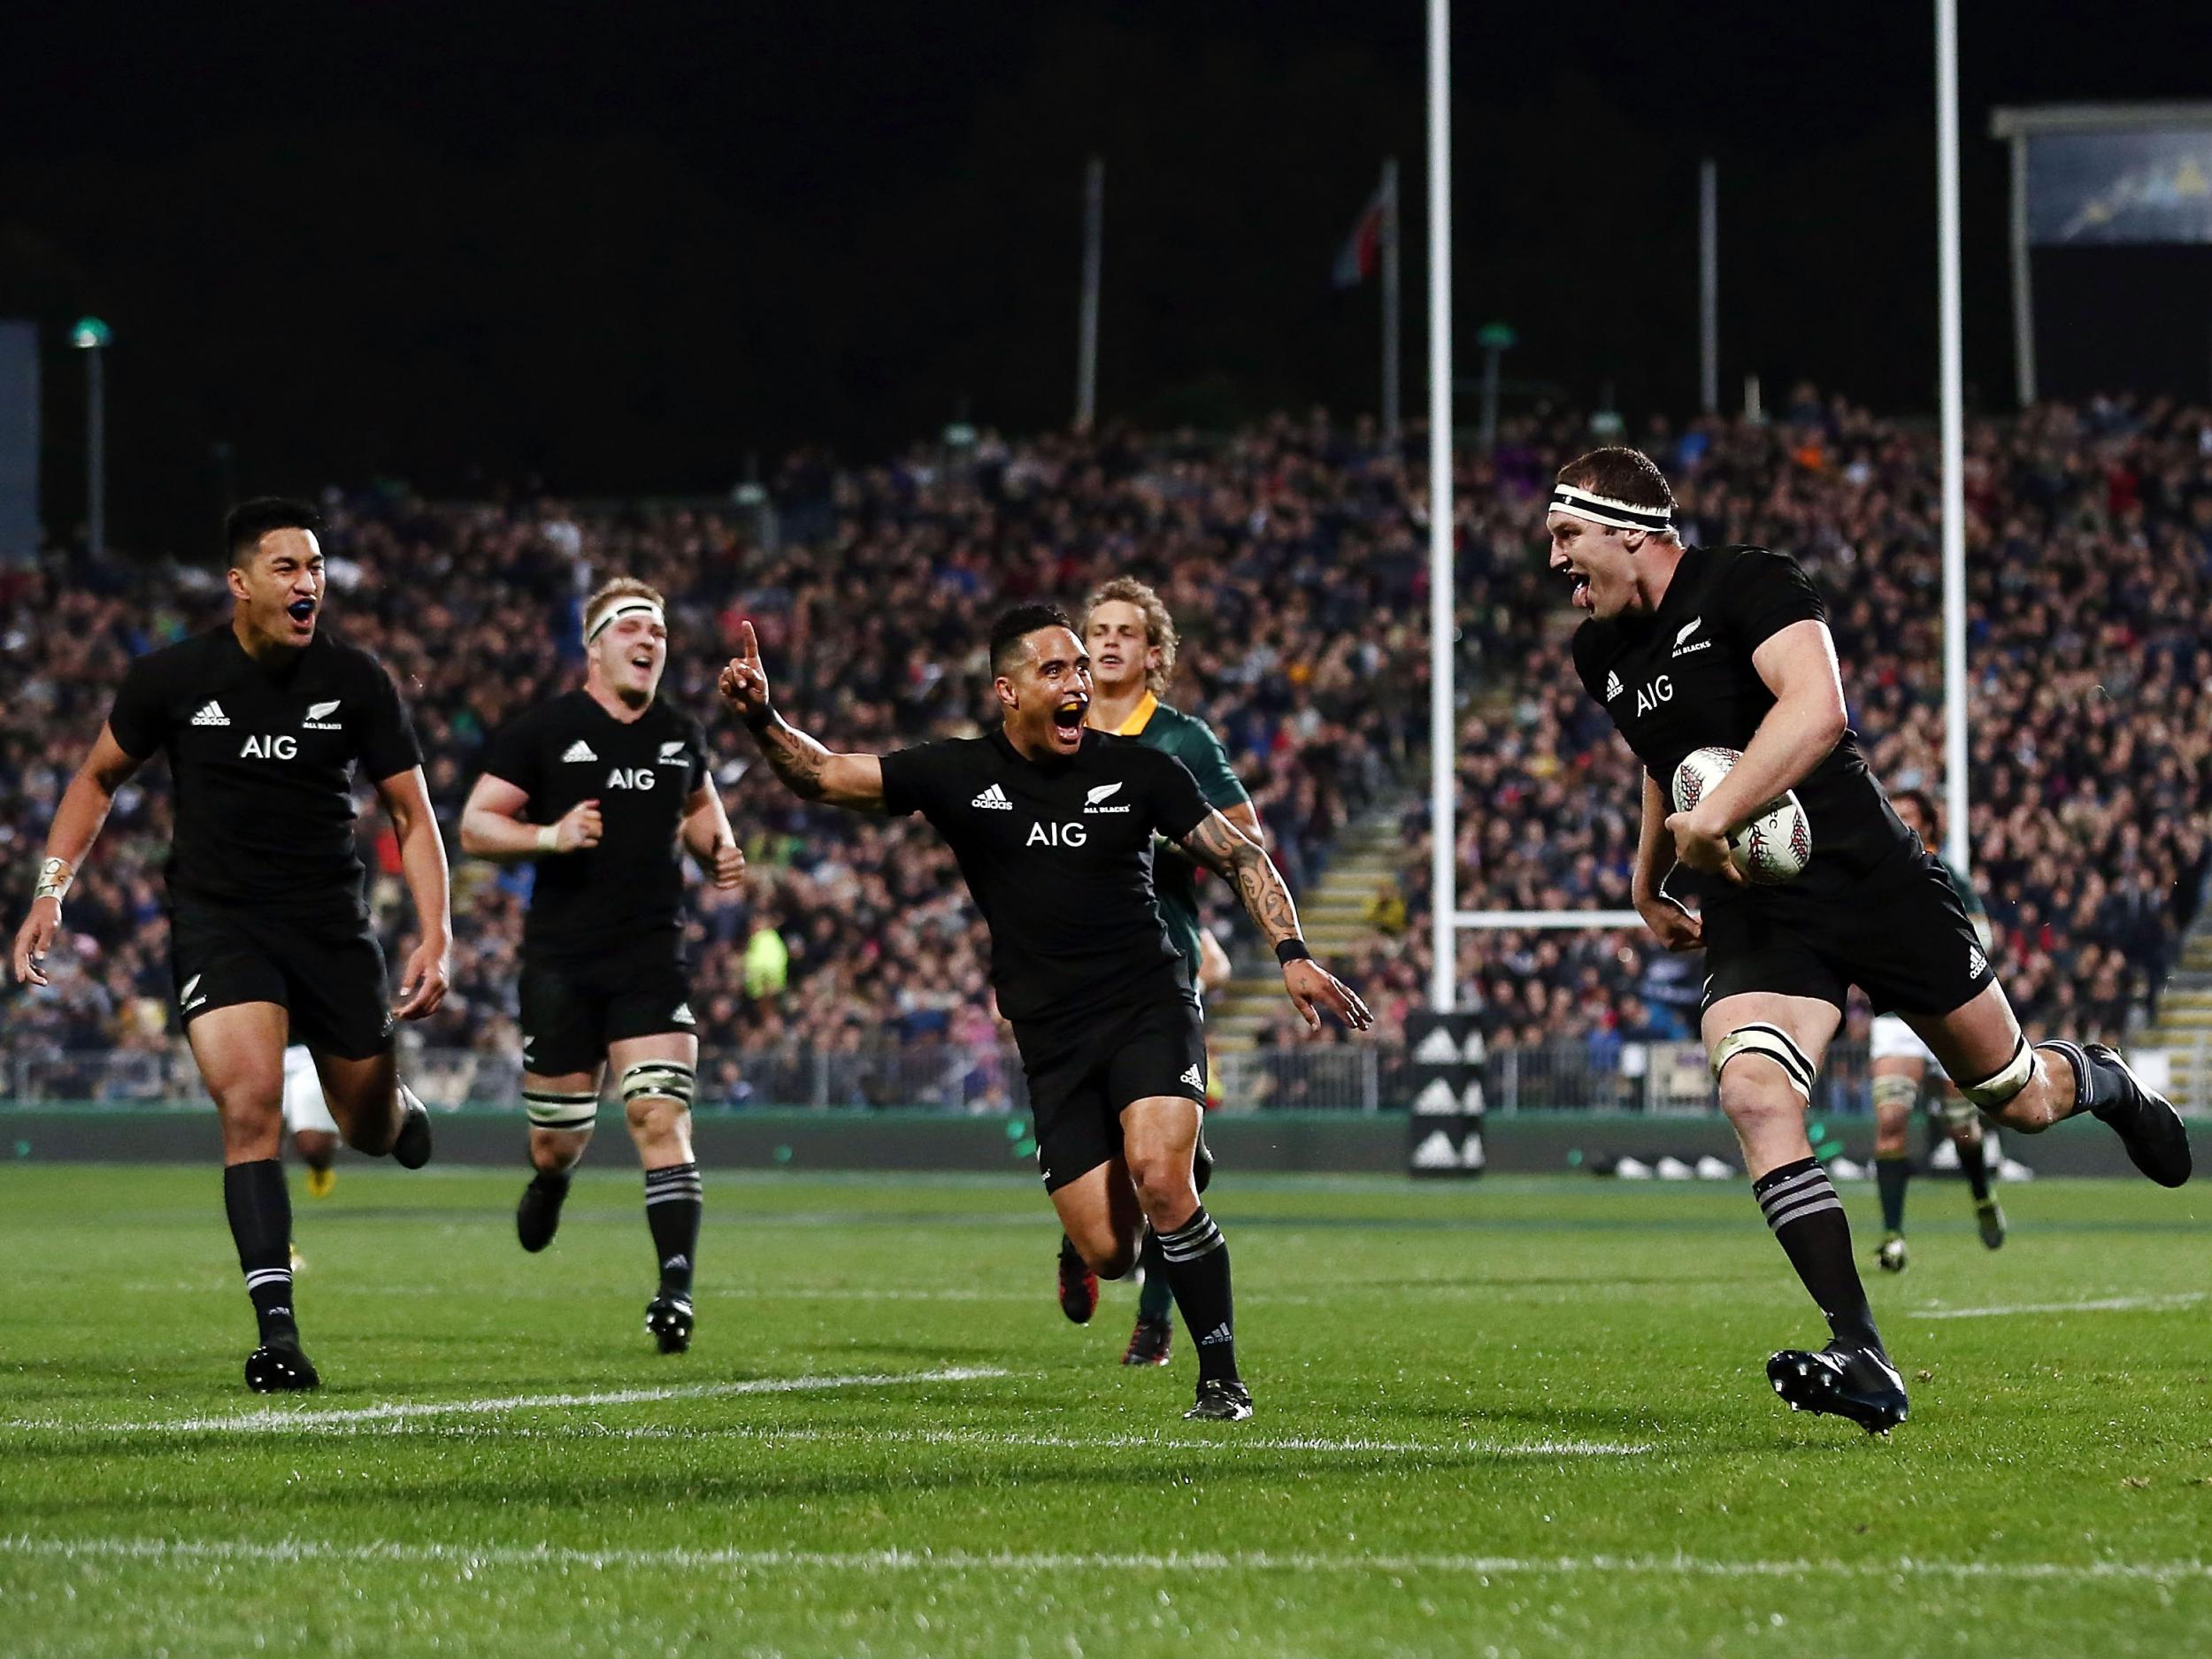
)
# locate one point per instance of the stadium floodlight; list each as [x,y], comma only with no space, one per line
[91,336]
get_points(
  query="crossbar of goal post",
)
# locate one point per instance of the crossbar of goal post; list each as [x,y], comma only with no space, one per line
[1503,921]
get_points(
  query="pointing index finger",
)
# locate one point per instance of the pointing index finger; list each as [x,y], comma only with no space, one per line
[749,642]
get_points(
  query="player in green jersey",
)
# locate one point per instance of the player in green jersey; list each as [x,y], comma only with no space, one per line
[1132,641]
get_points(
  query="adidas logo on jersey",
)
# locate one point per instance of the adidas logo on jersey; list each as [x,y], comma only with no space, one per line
[210,714]
[682,1016]
[1613,687]
[1194,1076]
[993,800]
[1976,963]
[580,750]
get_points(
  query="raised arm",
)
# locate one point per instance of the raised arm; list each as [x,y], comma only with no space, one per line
[422,982]
[1237,859]
[77,822]
[808,770]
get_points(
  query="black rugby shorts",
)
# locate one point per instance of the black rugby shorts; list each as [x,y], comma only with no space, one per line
[573,1007]
[1082,1073]
[1902,937]
[326,970]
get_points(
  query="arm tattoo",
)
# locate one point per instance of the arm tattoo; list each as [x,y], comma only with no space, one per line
[1219,845]
[793,756]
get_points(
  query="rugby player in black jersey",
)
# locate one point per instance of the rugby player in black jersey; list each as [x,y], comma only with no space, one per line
[265,721]
[1052,825]
[1729,646]
[599,787]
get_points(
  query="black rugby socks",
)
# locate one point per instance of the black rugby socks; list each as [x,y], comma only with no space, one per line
[1195,1258]
[260,1210]
[1892,1170]
[1808,1218]
[673,1202]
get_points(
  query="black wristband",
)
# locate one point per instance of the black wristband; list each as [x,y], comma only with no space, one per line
[759,723]
[1290,951]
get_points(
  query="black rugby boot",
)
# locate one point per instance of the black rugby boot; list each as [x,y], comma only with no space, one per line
[280,1367]
[1221,1400]
[1843,1381]
[538,1216]
[410,1148]
[2147,1125]
[668,1322]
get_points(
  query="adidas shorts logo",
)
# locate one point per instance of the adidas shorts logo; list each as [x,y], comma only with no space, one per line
[1192,1076]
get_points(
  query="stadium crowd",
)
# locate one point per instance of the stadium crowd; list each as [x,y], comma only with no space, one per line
[1292,557]
[2089,546]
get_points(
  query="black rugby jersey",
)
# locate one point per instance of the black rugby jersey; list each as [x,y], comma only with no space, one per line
[641,772]
[1058,855]
[262,759]
[1682,679]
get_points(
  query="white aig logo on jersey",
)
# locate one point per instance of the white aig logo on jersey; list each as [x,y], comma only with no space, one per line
[1650,697]
[1057,835]
[630,778]
[270,748]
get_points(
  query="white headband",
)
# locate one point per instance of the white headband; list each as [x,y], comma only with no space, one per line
[1621,515]
[632,606]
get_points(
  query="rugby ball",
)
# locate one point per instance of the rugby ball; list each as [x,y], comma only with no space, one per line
[1775,845]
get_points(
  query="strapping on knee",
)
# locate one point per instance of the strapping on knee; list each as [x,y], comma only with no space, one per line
[658,1080]
[1892,1092]
[2000,1086]
[1959,1115]
[1776,1044]
[571,1110]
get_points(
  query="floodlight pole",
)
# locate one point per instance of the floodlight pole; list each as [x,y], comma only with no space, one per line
[1709,286]
[91,336]
[1087,320]
[1443,770]
[1956,839]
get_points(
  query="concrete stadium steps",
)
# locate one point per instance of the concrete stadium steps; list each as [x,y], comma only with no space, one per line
[1333,916]
[2184,1026]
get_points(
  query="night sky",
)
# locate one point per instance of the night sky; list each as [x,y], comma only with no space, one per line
[624,250]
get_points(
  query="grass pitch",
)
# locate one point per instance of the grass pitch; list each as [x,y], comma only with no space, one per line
[1525,1417]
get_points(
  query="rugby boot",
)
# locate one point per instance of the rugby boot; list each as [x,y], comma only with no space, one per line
[1892,1256]
[1151,1343]
[538,1216]
[410,1148]
[2147,1125]
[1857,1383]
[1221,1400]
[1989,1216]
[279,1367]
[1078,1285]
[668,1322]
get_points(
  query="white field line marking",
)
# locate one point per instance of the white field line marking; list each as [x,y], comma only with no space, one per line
[2109,1304]
[470,1557]
[281,1421]
[984,1438]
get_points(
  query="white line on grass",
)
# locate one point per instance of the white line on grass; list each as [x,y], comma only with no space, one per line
[472,1557]
[2108,1304]
[281,1421]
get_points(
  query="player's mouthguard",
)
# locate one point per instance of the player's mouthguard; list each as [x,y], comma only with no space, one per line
[1618,515]
[1070,712]
[300,610]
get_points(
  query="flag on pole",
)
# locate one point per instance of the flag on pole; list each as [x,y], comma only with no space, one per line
[1361,256]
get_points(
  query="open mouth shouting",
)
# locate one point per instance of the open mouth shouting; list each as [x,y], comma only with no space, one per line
[302,612]
[1067,721]
[1581,585]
